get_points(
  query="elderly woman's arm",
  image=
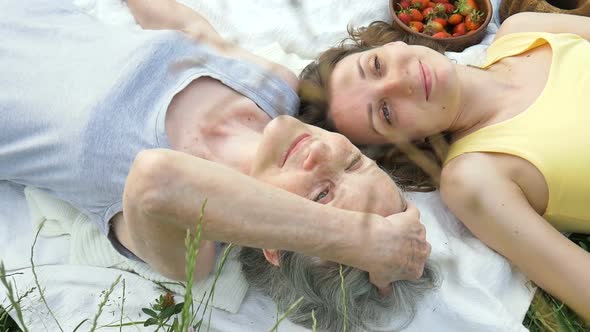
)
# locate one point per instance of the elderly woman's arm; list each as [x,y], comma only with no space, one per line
[171,15]
[163,196]
[545,22]
[496,210]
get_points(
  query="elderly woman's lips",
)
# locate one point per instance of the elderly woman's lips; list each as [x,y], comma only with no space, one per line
[426,80]
[295,145]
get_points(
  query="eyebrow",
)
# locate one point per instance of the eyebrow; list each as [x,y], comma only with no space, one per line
[360,68]
[370,115]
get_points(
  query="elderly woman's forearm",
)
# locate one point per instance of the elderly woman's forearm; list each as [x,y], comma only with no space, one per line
[170,187]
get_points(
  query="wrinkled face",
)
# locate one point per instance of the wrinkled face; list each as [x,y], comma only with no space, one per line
[401,90]
[323,167]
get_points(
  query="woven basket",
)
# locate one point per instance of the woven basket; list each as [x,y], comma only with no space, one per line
[574,7]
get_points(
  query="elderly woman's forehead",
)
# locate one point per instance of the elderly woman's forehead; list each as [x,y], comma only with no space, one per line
[377,193]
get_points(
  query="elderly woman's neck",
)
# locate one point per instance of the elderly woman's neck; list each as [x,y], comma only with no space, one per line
[484,95]
[227,135]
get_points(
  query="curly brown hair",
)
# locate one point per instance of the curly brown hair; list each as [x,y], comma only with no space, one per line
[400,160]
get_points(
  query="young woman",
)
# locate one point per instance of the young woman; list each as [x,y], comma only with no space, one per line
[92,113]
[517,172]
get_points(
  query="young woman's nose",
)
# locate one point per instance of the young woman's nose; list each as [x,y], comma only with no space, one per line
[318,153]
[388,85]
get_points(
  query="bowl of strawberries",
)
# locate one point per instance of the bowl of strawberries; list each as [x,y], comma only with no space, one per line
[453,24]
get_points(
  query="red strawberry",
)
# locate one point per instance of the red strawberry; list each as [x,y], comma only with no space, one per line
[460,28]
[417,26]
[416,15]
[404,4]
[420,4]
[431,4]
[456,34]
[474,20]
[404,17]
[440,20]
[449,8]
[465,7]
[441,34]
[428,13]
[455,19]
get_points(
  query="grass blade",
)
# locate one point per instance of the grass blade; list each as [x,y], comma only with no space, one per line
[104,301]
[283,316]
[37,279]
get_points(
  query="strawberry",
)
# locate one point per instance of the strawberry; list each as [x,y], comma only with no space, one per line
[441,21]
[441,34]
[449,8]
[404,4]
[455,19]
[416,15]
[465,7]
[417,26]
[404,16]
[441,1]
[419,4]
[460,28]
[428,13]
[433,27]
[456,34]
[431,4]
[474,20]
[439,10]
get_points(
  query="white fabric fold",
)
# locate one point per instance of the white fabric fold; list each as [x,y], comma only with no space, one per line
[89,247]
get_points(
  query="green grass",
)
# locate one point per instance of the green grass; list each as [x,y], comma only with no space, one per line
[549,314]
[6,322]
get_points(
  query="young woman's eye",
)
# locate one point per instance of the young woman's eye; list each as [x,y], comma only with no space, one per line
[377,64]
[322,195]
[386,113]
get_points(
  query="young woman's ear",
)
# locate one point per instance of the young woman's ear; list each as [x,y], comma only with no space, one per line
[272,256]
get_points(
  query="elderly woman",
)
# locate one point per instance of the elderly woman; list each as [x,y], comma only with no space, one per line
[138,128]
[517,172]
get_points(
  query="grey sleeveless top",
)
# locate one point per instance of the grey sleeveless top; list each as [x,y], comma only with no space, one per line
[79,99]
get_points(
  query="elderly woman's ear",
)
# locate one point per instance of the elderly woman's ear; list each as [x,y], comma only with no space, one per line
[272,256]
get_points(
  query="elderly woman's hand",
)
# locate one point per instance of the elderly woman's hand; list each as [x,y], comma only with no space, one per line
[398,249]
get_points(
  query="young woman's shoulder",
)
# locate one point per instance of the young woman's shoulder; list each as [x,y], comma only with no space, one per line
[545,22]
[472,177]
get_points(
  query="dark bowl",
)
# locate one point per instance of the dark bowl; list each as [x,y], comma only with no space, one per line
[453,44]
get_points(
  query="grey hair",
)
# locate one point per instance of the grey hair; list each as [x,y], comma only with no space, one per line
[319,284]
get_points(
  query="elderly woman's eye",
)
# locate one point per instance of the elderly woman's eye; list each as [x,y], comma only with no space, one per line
[323,194]
[355,163]
[386,113]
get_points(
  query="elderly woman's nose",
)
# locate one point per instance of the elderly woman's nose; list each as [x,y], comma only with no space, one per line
[318,153]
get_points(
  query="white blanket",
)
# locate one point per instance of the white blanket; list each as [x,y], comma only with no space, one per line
[480,291]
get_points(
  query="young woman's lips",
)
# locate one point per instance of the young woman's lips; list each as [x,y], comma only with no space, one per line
[295,145]
[426,80]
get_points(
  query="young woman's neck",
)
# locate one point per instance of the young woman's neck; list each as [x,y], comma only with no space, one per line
[484,94]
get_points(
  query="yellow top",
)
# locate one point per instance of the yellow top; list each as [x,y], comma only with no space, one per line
[554,132]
